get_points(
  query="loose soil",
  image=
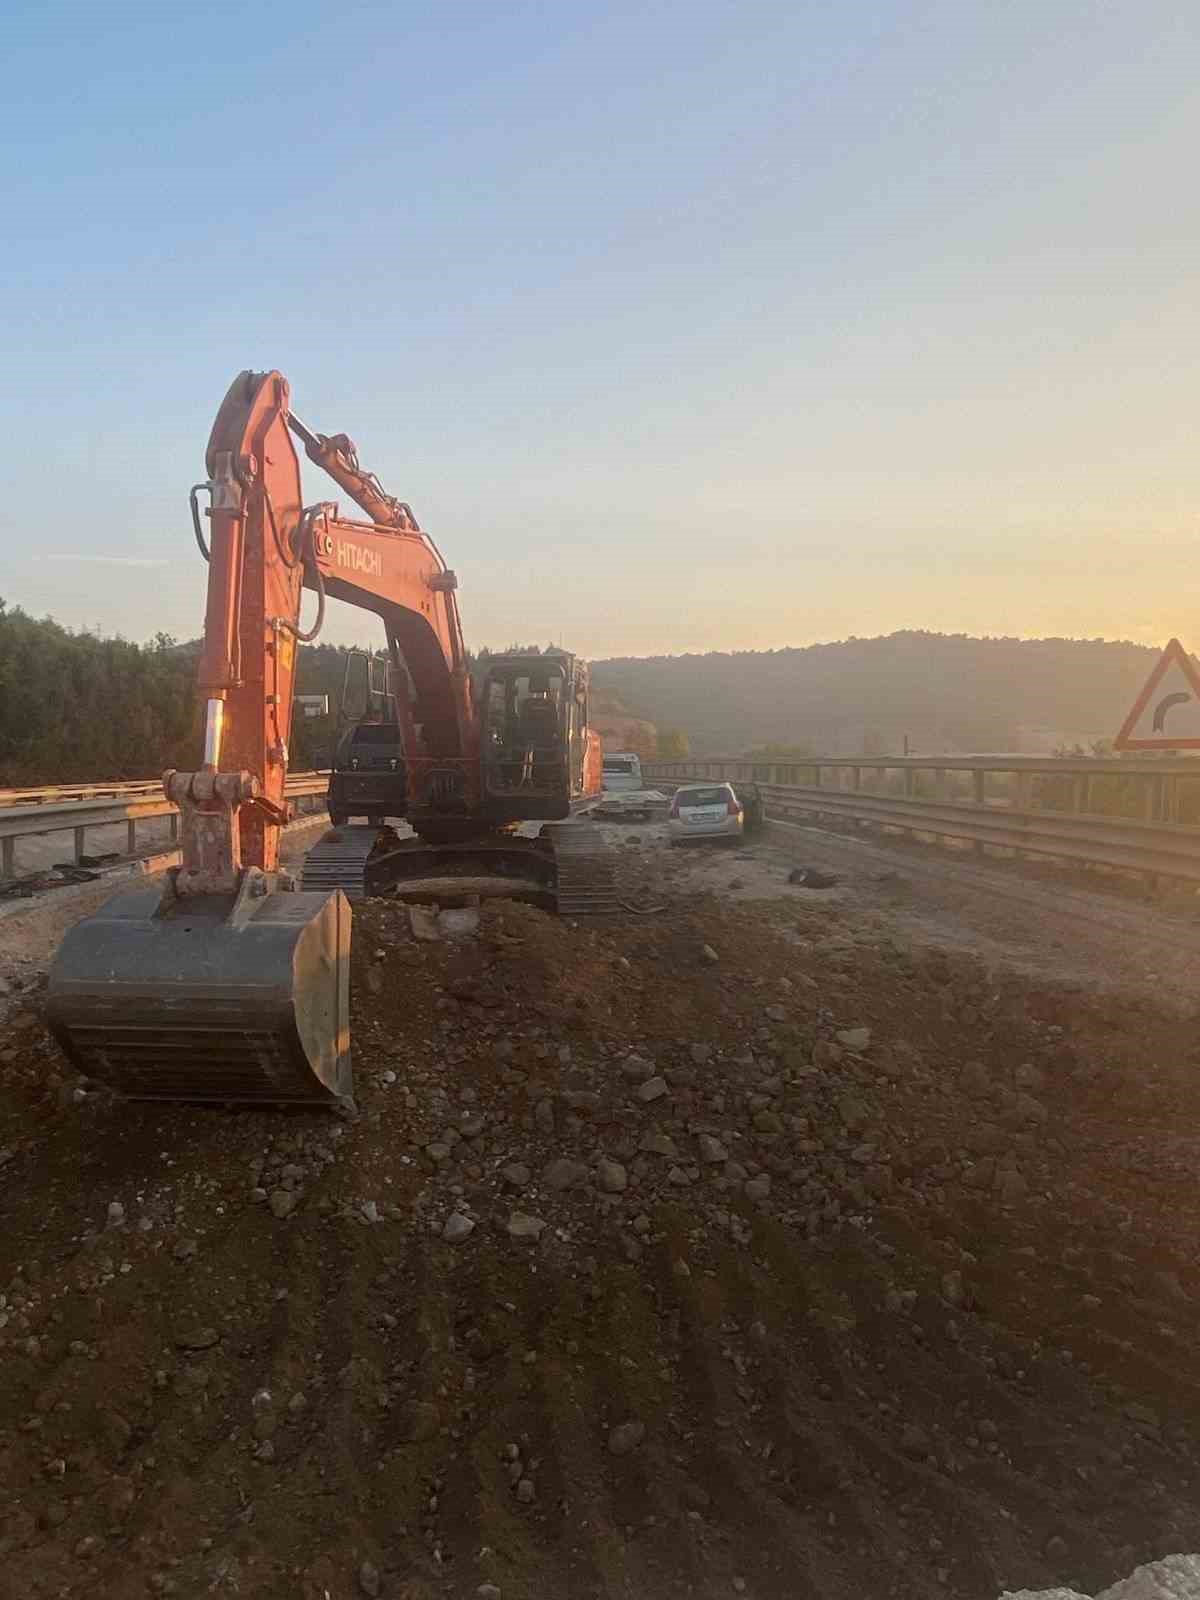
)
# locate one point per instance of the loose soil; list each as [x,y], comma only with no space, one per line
[794,1258]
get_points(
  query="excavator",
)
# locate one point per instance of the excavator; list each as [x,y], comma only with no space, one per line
[231,983]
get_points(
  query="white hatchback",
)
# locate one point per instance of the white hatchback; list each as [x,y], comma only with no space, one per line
[706,811]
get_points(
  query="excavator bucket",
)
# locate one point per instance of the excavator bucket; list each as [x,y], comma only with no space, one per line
[216,997]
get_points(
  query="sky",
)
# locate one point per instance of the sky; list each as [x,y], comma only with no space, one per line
[682,326]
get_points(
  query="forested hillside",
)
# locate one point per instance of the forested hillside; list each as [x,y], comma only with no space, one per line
[74,706]
[944,691]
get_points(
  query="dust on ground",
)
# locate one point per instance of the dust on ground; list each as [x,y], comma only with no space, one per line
[744,1247]
[1086,929]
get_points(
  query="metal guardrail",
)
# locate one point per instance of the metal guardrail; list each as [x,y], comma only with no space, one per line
[44,811]
[62,793]
[997,802]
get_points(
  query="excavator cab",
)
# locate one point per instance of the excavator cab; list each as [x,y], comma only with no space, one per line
[368,775]
[535,733]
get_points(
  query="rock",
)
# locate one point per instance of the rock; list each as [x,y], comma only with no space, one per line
[776,1014]
[116,1213]
[368,1572]
[679,1177]
[471,1125]
[626,1437]
[611,1176]
[197,1339]
[488,1591]
[564,1173]
[652,1089]
[543,1115]
[526,1491]
[952,1288]
[856,1039]
[438,1152]
[458,922]
[423,922]
[1031,1110]
[658,1144]
[768,1122]
[711,1149]
[637,1068]
[284,1201]
[812,878]
[853,1113]
[700,1053]
[458,1227]
[758,1188]
[709,954]
[516,1175]
[523,1226]
[582,1099]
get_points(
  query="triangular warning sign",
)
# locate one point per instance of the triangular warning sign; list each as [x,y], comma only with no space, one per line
[1166,715]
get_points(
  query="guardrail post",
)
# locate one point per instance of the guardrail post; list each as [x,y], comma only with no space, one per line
[979,796]
[8,867]
[79,844]
[1152,804]
[131,837]
[1022,791]
[910,782]
[174,827]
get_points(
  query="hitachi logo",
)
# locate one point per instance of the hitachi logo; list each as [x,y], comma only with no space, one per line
[359,560]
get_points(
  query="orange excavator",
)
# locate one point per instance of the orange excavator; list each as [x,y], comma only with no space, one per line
[231,983]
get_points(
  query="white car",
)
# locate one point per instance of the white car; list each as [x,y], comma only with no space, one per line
[706,811]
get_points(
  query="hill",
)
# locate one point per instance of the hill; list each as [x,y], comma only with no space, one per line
[943,691]
[74,706]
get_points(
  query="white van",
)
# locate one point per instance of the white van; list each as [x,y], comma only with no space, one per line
[622,772]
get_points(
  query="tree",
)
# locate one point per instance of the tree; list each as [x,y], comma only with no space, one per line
[673,745]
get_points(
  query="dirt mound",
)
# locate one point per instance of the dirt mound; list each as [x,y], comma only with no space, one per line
[739,1250]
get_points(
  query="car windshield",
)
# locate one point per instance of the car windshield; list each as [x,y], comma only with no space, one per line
[703,797]
[613,765]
